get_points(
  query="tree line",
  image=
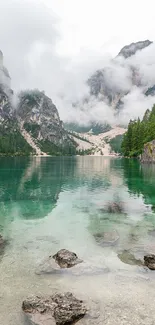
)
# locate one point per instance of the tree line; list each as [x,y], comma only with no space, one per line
[138,133]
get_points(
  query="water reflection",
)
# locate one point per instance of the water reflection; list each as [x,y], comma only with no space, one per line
[30,187]
[80,197]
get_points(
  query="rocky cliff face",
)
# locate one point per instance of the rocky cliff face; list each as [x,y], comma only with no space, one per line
[101,87]
[148,155]
[6,111]
[11,140]
[33,126]
[39,117]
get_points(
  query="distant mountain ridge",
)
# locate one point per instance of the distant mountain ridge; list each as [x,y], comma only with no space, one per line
[99,83]
[131,49]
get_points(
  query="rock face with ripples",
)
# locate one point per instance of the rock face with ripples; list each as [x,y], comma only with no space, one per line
[66,259]
[58,309]
[149,261]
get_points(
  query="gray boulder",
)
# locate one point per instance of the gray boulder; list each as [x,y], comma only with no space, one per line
[66,262]
[148,155]
[66,259]
[149,261]
[58,309]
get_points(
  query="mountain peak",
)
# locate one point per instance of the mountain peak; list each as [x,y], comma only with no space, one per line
[132,48]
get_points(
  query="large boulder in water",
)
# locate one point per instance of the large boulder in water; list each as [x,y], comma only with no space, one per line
[58,309]
[66,259]
[66,262]
[109,238]
[149,261]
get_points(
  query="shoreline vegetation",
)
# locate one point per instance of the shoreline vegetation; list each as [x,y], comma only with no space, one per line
[83,144]
[139,133]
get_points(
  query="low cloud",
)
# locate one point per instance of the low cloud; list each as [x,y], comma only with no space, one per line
[30,36]
[135,105]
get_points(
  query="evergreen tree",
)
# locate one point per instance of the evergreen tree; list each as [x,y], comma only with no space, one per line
[139,133]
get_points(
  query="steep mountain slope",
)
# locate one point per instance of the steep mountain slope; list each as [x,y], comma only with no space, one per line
[31,141]
[34,126]
[39,117]
[110,87]
[130,71]
[102,83]
[11,140]
[97,145]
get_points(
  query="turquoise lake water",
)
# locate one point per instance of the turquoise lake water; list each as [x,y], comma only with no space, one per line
[69,202]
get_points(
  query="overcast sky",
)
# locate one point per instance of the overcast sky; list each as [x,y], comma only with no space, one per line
[101,25]
[55,45]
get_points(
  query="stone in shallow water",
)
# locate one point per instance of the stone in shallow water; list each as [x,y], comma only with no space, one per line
[114,207]
[3,243]
[128,258]
[152,232]
[149,261]
[66,259]
[107,238]
[49,266]
[58,309]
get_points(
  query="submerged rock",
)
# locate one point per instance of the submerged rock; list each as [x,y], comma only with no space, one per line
[152,232]
[107,238]
[58,309]
[2,244]
[149,261]
[114,207]
[66,259]
[2,241]
[128,258]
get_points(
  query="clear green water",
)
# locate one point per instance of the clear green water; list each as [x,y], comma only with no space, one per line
[52,203]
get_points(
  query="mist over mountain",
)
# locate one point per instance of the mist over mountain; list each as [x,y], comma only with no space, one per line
[123,89]
[80,64]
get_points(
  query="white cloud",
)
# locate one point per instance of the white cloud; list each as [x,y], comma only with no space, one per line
[56,45]
[135,105]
